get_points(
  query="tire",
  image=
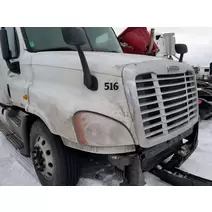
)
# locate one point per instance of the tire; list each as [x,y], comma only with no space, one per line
[55,164]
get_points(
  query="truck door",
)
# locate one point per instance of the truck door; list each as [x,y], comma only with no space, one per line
[15,78]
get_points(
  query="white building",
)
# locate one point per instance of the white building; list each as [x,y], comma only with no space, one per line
[204,70]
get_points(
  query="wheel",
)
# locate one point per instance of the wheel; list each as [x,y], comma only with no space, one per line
[55,164]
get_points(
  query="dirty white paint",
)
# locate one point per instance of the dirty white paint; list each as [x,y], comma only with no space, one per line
[54,83]
[62,98]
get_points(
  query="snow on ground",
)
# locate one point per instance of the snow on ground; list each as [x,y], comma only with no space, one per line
[200,162]
[16,170]
[12,170]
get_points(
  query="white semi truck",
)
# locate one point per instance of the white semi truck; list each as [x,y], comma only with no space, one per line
[71,93]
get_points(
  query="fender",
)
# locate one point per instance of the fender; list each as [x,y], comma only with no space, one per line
[56,104]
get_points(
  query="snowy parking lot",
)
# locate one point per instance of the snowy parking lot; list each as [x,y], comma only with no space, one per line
[16,170]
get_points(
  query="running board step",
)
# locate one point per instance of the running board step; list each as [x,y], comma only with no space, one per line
[177,177]
[11,137]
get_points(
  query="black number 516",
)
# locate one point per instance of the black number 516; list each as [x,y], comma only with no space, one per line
[111,86]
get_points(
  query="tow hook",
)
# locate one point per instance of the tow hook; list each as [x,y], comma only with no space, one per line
[131,167]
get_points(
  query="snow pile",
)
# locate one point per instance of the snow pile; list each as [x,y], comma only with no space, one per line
[200,162]
[12,171]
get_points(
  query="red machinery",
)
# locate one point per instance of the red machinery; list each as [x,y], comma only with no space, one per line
[137,40]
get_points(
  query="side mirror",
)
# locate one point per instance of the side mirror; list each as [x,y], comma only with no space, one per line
[77,37]
[6,53]
[181,49]
[74,36]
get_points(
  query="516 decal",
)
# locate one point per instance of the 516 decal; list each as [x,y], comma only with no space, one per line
[111,86]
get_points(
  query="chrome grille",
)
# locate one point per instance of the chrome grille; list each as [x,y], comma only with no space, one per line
[167,101]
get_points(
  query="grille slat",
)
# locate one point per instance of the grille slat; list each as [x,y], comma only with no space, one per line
[192,99]
[177,90]
[192,116]
[194,109]
[173,84]
[178,124]
[167,102]
[149,103]
[150,111]
[147,88]
[147,80]
[192,93]
[154,133]
[170,92]
[148,95]
[175,98]
[176,111]
[172,78]
[175,104]
[178,117]
[153,125]
[151,118]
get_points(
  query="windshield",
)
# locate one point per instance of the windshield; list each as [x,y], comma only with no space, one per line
[51,39]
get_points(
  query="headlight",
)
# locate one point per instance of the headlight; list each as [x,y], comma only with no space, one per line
[98,130]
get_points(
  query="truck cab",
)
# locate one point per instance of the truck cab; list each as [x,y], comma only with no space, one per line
[68,91]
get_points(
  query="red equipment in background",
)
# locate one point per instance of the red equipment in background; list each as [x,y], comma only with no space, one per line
[137,40]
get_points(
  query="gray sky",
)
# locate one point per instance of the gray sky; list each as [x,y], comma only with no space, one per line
[198,40]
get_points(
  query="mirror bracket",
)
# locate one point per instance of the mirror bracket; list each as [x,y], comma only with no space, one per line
[181,58]
[90,81]
[14,67]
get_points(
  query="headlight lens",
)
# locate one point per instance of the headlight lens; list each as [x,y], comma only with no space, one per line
[98,130]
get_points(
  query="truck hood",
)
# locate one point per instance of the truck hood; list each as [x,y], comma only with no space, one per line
[99,62]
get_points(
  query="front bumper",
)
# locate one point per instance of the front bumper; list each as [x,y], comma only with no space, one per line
[133,165]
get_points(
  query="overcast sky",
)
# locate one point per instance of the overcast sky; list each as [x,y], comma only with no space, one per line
[198,40]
